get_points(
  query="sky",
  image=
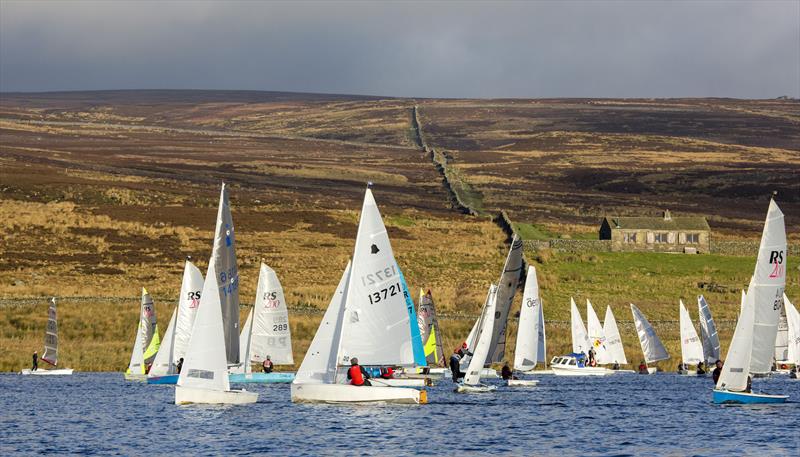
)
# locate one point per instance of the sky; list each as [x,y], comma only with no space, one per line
[743,49]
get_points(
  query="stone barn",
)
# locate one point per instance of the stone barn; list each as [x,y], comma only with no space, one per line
[657,234]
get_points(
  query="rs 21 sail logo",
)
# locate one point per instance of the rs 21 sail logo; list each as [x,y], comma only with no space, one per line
[776,260]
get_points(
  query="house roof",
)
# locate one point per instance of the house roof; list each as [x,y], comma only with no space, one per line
[659,223]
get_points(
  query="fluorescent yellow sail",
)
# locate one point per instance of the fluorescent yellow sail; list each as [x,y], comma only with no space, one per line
[430,345]
[152,349]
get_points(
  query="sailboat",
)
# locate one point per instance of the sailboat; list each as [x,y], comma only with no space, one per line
[266,333]
[211,349]
[50,347]
[483,341]
[708,332]
[147,341]
[366,319]
[793,320]
[652,347]
[576,363]
[616,350]
[597,337]
[782,340]
[176,338]
[691,348]
[753,345]
[506,288]
[530,348]
[430,333]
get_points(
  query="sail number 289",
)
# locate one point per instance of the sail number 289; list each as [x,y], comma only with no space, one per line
[384,293]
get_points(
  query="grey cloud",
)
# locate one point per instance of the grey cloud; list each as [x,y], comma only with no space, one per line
[422,49]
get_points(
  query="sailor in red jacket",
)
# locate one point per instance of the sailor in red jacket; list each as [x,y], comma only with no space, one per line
[357,375]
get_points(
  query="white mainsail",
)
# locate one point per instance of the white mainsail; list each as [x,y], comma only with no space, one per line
[376,326]
[782,338]
[506,288]
[205,365]
[652,347]
[164,363]
[737,363]
[691,348]
[580,339]
[51,335]
[766,289]
[708,332]
[793,321]
[271,335]
[319,363]
[485,332]
[597,338]
[472,339]
[613,339]
[529,332]
[223,256]
[188,302]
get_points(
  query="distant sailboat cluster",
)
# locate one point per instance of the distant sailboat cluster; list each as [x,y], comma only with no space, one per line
[372,328]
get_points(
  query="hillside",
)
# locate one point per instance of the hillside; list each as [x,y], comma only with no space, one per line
[102,193]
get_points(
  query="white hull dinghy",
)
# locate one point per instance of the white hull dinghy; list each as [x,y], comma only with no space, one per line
[752,348]
[483,337]
[531,339]
[367,319]
[50,347]
[204,375]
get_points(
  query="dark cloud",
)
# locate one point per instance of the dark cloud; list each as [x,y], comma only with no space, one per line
[424,49]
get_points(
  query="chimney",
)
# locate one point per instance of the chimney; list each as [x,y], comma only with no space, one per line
[667,216]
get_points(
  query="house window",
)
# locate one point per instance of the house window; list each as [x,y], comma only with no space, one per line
[661,238]
[692,238]
[629,237]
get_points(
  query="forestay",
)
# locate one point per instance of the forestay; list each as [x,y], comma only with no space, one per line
[529,332]
[793,321]
[652,347]
[376,322]
[188,302]
[737,363]
[205,365]
[164,363]
[483,341]
[597,339]
[708,331]
[766,289]
[51,335]
[613,339]
[691,349]
[271,334]
[319,364]
[506,289]
[580,339]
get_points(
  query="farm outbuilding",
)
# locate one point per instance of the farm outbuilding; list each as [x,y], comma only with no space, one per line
[688,234]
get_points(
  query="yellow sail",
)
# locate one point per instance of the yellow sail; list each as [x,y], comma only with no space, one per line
[430,345]
[152,349]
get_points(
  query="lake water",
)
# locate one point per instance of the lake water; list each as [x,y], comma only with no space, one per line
[101,414]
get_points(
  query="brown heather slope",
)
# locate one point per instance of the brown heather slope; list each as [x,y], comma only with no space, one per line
[102,193]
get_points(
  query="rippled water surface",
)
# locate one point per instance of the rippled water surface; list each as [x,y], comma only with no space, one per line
[100,413]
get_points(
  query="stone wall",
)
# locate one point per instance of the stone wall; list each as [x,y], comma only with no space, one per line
[745,247]
[573,246]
